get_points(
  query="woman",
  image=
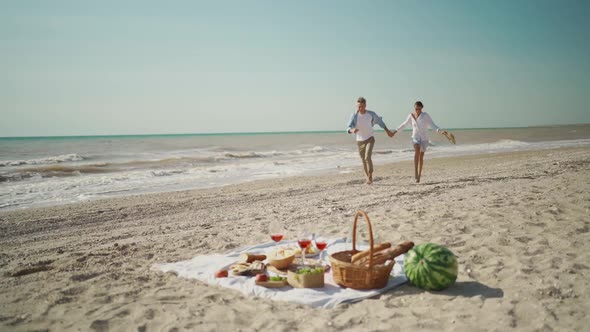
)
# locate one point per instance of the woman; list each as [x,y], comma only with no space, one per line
[420,122]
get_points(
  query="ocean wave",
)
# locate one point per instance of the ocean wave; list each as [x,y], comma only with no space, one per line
[156,163]
[383,151]
[510,142]
[244,155]
[167,173]
[317,149]
[52,171]
[41,161]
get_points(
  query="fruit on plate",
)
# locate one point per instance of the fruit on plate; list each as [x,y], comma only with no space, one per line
[261,277]
[221,274]
[309,250]
[431,266]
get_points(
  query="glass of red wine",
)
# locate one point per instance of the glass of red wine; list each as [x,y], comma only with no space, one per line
[276,232]
[304,241]
[321,243]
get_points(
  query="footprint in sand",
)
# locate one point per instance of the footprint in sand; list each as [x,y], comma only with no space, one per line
[534,252]
[100,325]
[122,313]
[499,266]
[149,314]
[554,210]
[523,239]
[536,224]
[85,276]
[32,268]
[556,262]
[73,291]
[477,259]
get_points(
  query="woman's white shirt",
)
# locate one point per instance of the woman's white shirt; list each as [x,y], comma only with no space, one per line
[419,125]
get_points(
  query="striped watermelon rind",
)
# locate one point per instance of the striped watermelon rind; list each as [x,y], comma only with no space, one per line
[431,266]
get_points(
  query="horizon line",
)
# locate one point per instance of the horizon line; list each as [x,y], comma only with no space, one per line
[264,132]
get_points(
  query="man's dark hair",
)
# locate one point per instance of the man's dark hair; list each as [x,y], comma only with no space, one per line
[419,104]
[361,100]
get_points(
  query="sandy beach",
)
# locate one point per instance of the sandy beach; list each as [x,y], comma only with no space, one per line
[518,223]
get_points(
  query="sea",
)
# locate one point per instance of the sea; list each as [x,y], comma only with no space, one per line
[45,171]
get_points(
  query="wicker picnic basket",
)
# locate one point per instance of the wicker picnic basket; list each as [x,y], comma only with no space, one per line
[358,276]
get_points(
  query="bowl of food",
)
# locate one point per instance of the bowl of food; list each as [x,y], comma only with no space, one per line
[281,258]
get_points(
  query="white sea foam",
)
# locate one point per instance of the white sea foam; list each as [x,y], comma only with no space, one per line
[167,173]
[41,161]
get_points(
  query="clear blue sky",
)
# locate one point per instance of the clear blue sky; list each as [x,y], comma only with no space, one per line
[129,67]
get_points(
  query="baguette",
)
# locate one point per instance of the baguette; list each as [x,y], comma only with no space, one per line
[249,258]
[358,256]
[388,254]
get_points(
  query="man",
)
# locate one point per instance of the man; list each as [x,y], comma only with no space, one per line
[361,123]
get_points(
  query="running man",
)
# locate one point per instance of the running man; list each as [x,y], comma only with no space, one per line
[420,122]
[361,123]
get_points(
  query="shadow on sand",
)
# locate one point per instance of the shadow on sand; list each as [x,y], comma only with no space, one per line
[461,288]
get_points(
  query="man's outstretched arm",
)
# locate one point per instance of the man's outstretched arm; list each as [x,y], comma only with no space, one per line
[379,121]
[351,125]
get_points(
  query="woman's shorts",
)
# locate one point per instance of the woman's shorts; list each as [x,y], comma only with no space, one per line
[423,143]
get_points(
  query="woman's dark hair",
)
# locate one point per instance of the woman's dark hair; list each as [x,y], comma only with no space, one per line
[419,104]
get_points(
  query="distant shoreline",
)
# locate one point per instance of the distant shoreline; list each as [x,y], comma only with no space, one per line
[255,133]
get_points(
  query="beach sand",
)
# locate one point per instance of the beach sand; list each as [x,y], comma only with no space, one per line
[518,222]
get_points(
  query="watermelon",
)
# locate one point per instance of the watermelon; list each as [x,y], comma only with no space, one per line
[431,266]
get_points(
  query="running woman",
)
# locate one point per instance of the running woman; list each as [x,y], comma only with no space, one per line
[420,122]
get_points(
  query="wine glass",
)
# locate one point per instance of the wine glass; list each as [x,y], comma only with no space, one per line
[321,243]
[276,232]
[304,240]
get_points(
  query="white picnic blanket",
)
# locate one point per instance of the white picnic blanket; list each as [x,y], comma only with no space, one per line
[203,269]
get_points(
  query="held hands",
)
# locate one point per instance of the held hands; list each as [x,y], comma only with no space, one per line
[391,133]
[354,130]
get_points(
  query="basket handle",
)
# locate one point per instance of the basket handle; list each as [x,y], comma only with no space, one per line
[356,218]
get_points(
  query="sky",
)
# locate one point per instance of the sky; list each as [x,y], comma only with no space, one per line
[158,67]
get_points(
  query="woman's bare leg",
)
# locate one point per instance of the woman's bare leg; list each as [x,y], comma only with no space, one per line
[421,164]
[416,161]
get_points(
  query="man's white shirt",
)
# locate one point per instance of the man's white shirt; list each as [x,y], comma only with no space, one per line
[364,123]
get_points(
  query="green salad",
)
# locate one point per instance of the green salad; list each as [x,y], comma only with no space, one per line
[309,270]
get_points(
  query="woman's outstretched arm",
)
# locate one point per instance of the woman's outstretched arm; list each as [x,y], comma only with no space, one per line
[405,123]
[433,125]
